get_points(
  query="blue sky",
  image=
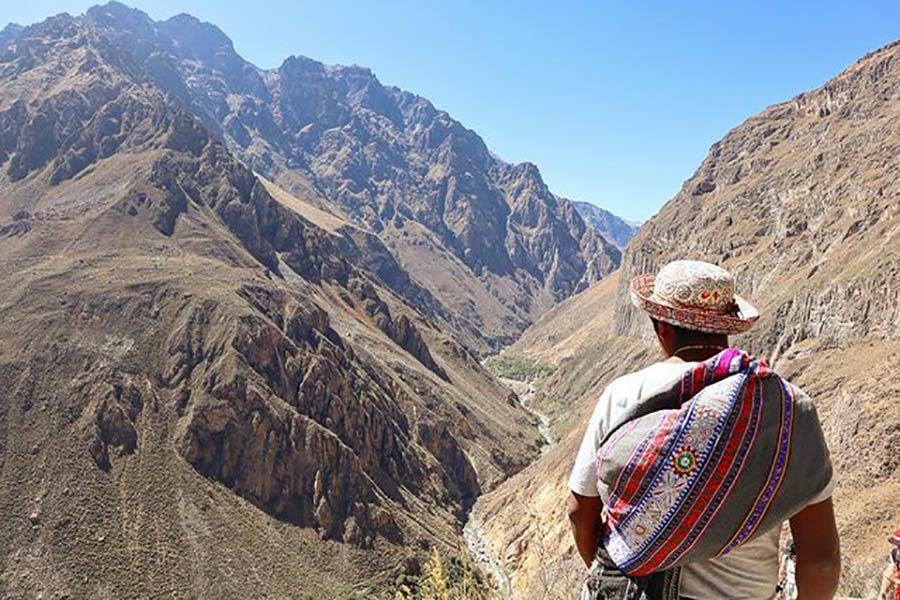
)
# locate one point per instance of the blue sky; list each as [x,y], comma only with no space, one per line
[617,103]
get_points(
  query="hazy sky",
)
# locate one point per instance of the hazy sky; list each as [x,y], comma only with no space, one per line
[617,103]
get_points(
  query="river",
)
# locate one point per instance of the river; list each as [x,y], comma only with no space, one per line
[478,546]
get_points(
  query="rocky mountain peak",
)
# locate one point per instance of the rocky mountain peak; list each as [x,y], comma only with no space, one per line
[204,40]
[615,229]
[122,17]
[9,33]
[326,94]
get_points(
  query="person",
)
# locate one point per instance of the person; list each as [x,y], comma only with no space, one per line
[890,582]
[693,309]
[788,577]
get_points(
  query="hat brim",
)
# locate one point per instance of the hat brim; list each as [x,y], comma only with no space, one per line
[895,539]
[740,321]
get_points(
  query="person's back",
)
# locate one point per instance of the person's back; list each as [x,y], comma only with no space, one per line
[750,570]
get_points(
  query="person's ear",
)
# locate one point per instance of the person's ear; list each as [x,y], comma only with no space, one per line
[666,335]
[663,330]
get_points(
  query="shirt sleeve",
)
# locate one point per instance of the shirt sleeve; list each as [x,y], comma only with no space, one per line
[826,493]
[583,480]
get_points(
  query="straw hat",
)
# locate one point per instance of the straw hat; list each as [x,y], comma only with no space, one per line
[694,295]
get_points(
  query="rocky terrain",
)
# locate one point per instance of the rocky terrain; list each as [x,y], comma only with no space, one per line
[488,240]
[245,312]
[615,229]
[217,384]
[800,202]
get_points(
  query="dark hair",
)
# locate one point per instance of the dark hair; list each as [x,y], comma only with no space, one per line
[684,334]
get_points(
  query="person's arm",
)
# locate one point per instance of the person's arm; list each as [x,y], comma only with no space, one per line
[584,516]
[887,581]
[818,569]
[584,504]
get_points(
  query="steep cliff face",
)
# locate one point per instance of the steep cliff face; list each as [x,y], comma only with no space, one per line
[487,239]
[198,375]
[615,229]
[800,203]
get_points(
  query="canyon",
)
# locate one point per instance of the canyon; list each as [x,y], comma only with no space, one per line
[248,316]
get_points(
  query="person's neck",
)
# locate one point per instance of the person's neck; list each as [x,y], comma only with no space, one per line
[697,351]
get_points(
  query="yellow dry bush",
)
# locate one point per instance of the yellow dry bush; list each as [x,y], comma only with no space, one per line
[442,579]
[434,580]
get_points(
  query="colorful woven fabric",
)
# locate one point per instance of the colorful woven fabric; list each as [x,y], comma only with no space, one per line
[698,470]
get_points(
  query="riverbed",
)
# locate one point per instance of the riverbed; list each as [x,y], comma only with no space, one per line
[477,545]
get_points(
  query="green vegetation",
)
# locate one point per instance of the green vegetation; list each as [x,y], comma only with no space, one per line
[512,365]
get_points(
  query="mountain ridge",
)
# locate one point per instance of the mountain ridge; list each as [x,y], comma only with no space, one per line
[616,229]
[384,157]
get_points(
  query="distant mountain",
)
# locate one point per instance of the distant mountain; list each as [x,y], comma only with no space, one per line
[800,203]
[216,383]
[616,229]
[9,33]
[489,241]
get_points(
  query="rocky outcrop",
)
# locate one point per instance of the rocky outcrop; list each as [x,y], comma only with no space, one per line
[10,34]
[111,422]
[400,329]
[458,473]
[367,250]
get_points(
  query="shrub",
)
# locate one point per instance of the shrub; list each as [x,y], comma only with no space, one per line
[512,365]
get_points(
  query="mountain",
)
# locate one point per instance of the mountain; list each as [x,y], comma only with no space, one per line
[615,229]
[800,203]
[488,240]
[9,33]
[222,385]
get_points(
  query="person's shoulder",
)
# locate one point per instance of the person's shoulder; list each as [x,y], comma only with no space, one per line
[652,371]
[797,391]
[625,382]
[637,383]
